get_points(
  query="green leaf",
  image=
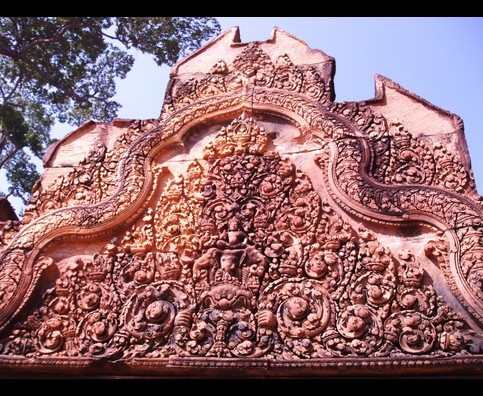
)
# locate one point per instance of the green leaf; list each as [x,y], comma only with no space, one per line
[65,69]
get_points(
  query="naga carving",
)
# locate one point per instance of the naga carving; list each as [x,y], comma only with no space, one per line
[265,248]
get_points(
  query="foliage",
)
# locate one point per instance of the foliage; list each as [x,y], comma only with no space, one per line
[64,68]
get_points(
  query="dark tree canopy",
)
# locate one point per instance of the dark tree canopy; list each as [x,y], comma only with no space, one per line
[64,68]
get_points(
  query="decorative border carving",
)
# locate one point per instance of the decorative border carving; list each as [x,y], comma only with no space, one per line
[348,130]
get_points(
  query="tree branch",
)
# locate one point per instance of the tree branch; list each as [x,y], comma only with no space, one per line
[9,156]
[52,39]
[109,36]
[24,48]
[12,91]
[54,82]
[7,51]
[3,140]
[16,34]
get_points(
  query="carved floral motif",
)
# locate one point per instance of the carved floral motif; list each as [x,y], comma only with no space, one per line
[8,231]
[90,182]
[410,160]
[241,258]
[252,67]
[463,215]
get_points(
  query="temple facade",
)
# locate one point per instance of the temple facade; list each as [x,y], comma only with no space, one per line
[257,227]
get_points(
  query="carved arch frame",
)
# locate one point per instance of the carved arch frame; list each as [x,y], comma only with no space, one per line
[131,199]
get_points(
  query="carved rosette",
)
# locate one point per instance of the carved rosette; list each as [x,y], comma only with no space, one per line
[241,258]
[460,216]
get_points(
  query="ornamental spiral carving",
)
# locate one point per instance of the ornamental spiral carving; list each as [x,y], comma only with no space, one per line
[241,258]
[231,249]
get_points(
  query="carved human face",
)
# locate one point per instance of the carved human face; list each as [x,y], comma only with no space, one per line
[99,328]
[355,324]
[141,276]
[285,168]
[317,267]
[297,308]
[228,262]
[60,305]
[53,340]
[156,311]
[374,291]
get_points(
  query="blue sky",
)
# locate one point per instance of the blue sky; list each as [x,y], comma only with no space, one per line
[438,58]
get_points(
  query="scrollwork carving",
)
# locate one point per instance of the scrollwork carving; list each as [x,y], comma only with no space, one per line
[8,231]
[243,256]
[196,275]
[455,212]
[252,67]
[411,160]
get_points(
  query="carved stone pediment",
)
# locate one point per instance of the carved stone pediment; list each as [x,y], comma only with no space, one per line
[256,224]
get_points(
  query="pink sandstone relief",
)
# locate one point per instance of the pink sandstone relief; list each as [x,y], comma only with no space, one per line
[257,223]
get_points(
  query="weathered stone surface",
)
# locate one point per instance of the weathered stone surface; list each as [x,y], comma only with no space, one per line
[257,224]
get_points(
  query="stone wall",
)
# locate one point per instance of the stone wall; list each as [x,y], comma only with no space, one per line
[256,224]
